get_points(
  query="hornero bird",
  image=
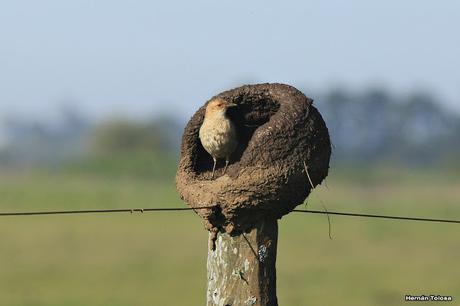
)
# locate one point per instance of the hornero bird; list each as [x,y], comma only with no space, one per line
[218,133]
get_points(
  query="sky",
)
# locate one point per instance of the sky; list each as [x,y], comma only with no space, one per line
[152,57]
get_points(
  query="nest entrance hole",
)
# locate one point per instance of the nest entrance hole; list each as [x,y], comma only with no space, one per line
[251,113]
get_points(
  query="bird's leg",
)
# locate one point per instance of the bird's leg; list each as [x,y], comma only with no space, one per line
[226,165]
[213,168]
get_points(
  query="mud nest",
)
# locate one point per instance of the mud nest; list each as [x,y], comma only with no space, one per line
[281,135]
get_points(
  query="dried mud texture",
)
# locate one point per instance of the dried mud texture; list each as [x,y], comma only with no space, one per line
[279,132]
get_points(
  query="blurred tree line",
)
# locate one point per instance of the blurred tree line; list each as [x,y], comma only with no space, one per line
[366,128]
[129,147]
[376,127]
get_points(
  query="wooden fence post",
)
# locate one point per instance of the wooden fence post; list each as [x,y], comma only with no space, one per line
[241,268]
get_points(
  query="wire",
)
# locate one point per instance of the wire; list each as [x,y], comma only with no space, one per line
[169,209]
[375,216]
[96,211]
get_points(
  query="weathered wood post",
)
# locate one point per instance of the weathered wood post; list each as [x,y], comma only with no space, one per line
[281,137]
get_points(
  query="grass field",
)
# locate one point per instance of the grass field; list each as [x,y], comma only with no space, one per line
[159,258]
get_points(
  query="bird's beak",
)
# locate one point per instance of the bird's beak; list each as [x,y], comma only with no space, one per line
[232,105]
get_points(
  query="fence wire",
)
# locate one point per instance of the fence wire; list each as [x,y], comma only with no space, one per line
[175,209]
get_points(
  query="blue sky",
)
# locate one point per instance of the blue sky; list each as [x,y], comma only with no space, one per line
[147,57]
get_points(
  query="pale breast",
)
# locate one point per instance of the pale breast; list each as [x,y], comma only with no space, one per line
[218,137]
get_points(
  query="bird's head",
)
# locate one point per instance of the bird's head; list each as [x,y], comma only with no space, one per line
[218,106]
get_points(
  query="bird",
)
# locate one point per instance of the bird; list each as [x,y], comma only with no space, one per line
[217,132]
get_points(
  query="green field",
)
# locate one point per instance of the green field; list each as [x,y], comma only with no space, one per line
[160,258]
